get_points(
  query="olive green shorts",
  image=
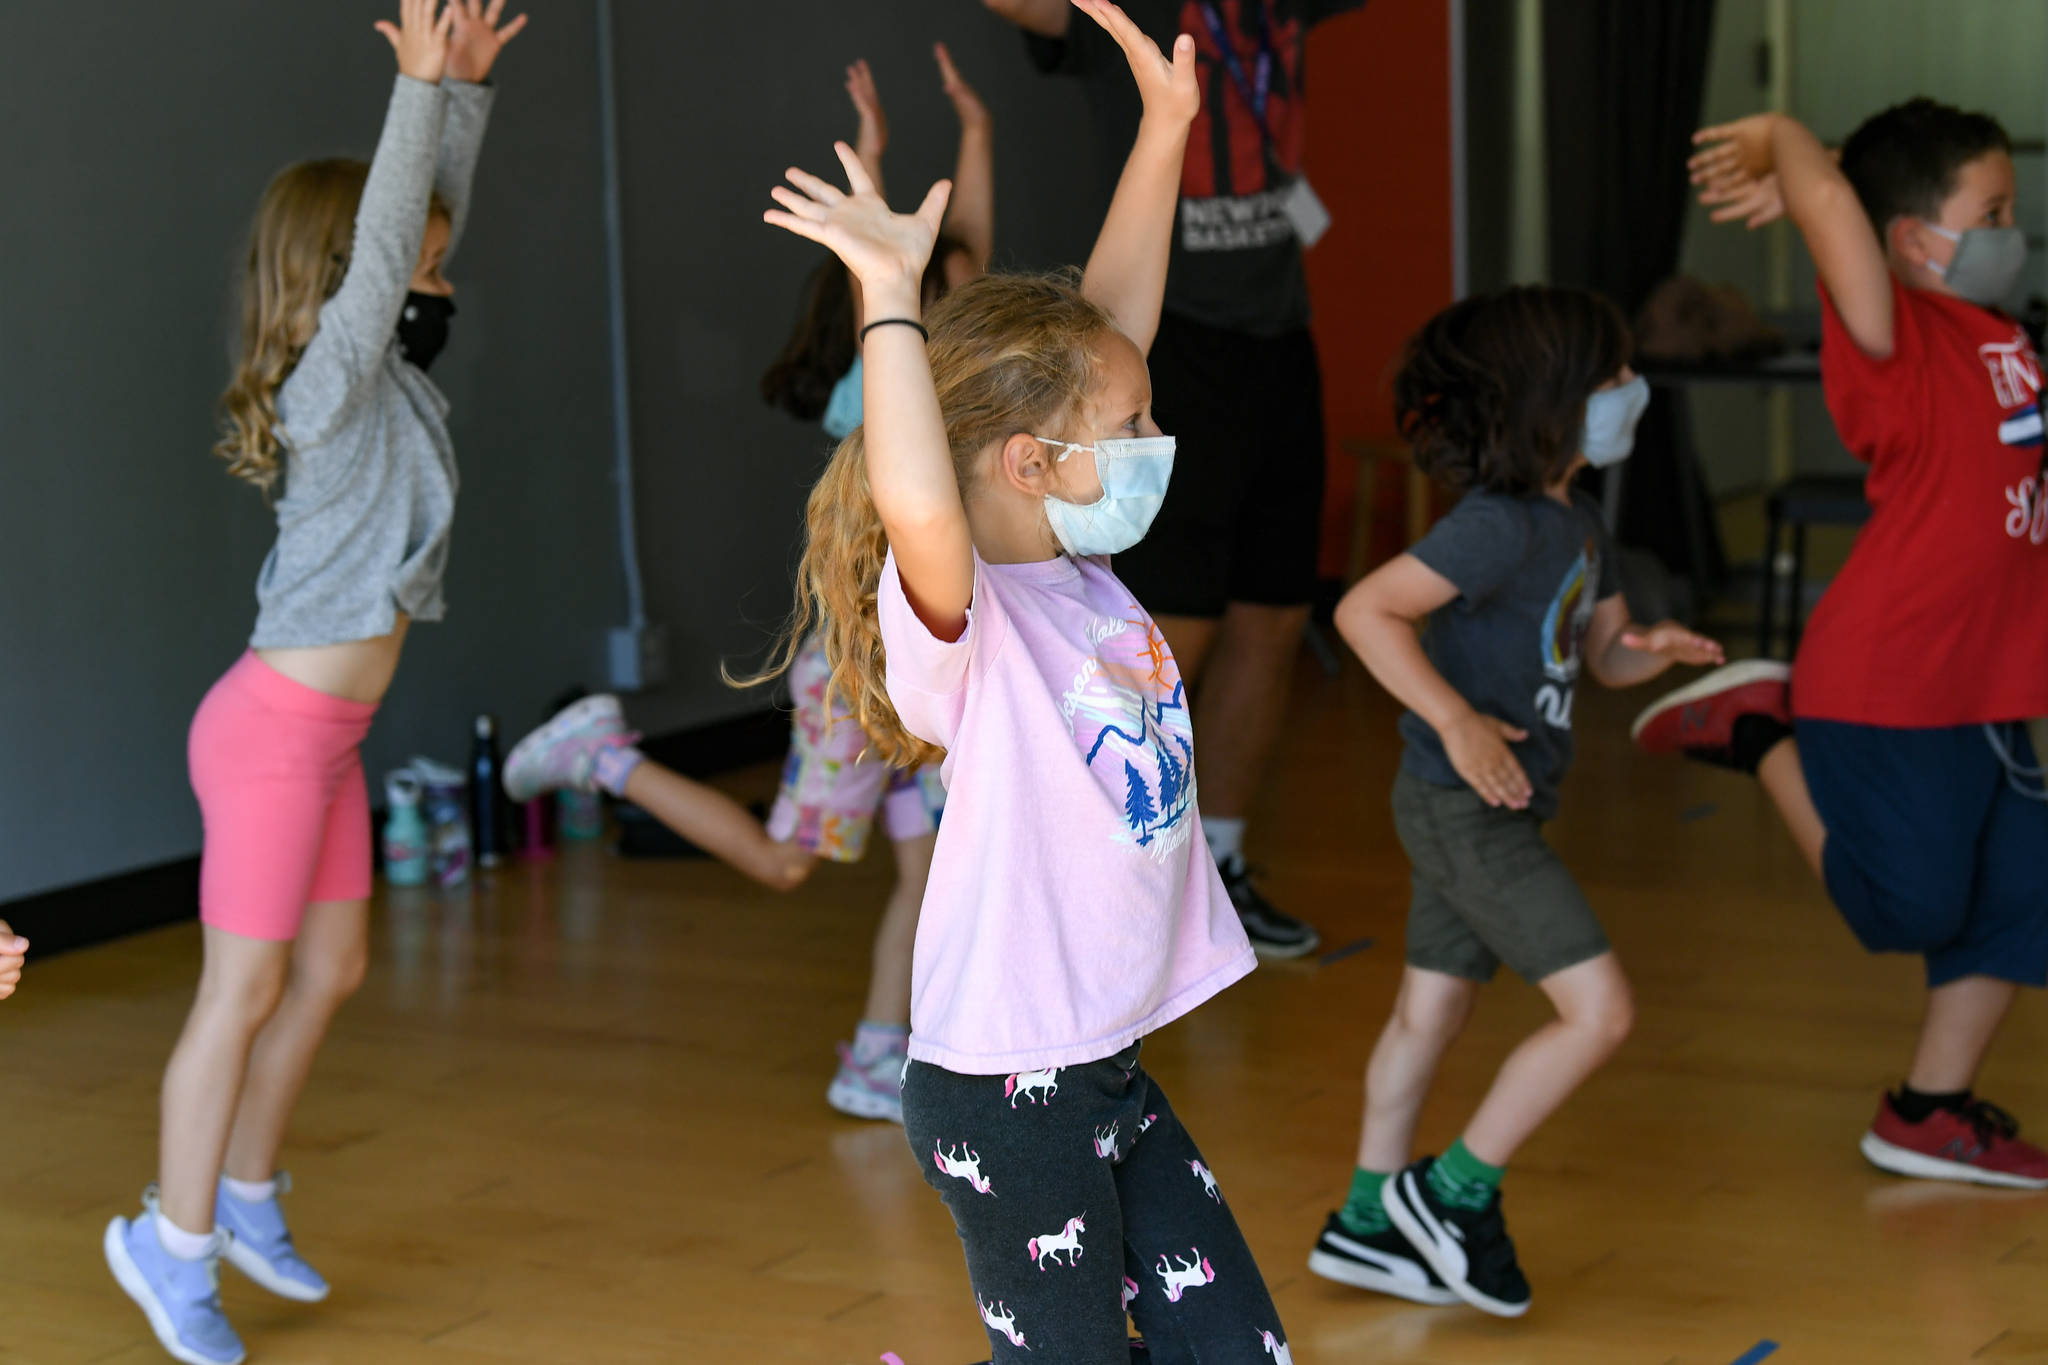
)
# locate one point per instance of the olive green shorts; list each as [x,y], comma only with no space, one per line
[1488,889]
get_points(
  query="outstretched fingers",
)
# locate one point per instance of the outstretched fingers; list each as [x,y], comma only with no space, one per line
[857,177]
[823,191]
[933,210]
[802,227]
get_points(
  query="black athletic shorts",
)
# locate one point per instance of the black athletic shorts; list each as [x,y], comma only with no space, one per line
[1242,521]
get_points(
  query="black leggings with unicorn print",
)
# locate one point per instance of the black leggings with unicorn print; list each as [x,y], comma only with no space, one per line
[1081,1200]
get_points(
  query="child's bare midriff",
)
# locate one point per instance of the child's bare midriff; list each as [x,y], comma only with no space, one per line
[357,670]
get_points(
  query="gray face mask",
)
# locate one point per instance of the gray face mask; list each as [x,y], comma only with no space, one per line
[1988,263]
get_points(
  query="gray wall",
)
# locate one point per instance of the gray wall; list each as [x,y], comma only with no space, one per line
[137,140]
[722,477]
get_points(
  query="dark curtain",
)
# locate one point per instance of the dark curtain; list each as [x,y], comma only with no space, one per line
[1622,82]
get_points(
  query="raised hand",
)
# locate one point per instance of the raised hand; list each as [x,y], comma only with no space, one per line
[966,103]
[884,250]
[1167,86]
[1756,201]
[1478,749]
[872,137]
[477,40]
[1732,152]
[13,952]
[1669,640]
[420,39]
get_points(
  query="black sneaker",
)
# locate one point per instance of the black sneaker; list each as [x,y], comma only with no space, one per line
[1272,933]
[1384,1262]
[1467,1248]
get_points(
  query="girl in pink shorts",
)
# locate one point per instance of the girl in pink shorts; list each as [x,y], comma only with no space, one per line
[331,413]
[830,792]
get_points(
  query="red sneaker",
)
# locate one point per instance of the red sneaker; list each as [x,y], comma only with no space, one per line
[1699,721]
[1978,1143]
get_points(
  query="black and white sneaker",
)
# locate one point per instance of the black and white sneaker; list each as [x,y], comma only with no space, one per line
[1468,1249]
[1272,933]
[1384,1262]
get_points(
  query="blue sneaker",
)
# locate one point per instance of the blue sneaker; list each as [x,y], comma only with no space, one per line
[260,1245]
[180,1298]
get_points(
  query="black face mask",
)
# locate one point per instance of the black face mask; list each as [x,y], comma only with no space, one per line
[423,327]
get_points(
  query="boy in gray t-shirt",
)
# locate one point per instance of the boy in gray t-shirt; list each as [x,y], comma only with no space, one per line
[1529,573]
[1506,397]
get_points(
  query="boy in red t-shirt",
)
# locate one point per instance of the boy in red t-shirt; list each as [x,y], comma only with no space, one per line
[1911,785]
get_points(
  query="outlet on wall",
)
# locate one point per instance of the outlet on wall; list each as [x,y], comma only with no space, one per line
[638,657]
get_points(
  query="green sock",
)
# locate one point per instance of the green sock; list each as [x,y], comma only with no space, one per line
[1363,1214]
[1462,1180]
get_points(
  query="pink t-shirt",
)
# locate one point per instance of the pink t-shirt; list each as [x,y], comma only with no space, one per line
[1073,906]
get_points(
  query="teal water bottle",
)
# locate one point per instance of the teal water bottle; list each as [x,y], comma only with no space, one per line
[405,832]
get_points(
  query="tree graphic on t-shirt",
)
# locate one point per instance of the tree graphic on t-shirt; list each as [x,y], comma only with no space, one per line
[1138,803]
[1172,777]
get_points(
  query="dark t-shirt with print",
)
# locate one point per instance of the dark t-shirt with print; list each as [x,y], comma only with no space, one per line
[1529,572]
[1236,261]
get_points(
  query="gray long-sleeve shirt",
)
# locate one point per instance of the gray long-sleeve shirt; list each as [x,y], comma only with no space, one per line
[369,472]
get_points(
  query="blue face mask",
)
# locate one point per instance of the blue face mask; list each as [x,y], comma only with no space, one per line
[843,409]
[1611,417]
[1134,474]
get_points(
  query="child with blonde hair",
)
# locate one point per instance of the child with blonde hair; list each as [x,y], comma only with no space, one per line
[958,558]
[331,413]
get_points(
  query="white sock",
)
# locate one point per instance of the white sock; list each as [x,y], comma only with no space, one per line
[1226,838]
[251,1191]
[186,1246]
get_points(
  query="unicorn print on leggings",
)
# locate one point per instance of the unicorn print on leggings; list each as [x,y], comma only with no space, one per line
[1208,1179]
[1045,1249]
[1180,1277]
[1276,1349]
[998,1316]
[1130,1292]
[966,1167]
[1105,1142]
[1020,1086]
[1145,1124]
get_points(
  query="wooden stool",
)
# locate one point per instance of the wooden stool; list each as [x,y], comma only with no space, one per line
[1372,456]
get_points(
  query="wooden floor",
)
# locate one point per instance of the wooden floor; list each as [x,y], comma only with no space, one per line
[579,1116]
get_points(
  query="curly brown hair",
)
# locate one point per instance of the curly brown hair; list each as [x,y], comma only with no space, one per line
[1492,391]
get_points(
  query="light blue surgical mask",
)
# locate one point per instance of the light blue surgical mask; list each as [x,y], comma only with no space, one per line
[1134,473]
[1611,417]
[843,409]
[1988,263]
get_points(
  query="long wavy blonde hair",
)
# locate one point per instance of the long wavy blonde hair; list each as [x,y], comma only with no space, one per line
[299,251]
[1009,353]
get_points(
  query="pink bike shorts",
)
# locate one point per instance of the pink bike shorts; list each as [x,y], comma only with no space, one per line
[287,812]
[830,793]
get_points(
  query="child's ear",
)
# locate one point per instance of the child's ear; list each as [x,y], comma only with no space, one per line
[1027,464]
[1908,238]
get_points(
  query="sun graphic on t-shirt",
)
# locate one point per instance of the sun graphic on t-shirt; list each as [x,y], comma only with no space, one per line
[1155,653]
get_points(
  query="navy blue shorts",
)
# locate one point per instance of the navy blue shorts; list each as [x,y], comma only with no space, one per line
[1930,848]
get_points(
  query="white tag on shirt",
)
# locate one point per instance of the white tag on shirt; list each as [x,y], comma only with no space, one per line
[1305,211]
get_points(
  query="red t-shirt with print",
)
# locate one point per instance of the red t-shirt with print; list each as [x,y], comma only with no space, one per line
[1940,617]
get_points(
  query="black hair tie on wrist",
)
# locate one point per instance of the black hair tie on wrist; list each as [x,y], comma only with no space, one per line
[895,322]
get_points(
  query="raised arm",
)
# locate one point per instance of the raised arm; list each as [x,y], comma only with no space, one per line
[1126,272]
[1046,18]
[473,47]
[909,461]
[391,218]
[971,214]
[871,135]
[1734,168]
[1379,619]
